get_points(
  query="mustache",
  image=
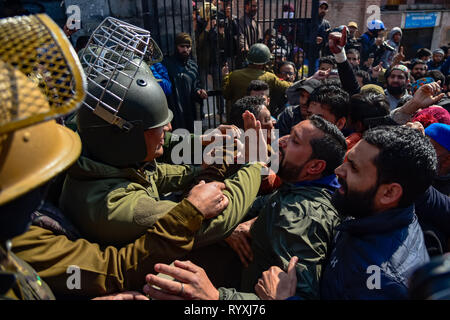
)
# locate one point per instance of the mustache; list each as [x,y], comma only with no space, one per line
[343,184]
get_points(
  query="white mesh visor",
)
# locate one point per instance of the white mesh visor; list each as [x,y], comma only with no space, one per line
[115,48]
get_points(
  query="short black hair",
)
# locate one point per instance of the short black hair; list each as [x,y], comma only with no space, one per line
[333,96]
[366,105]
[436,75]
[257,85]
[328,59]
[406,157]
[423,52]
[355,52]
[415,62]
[254,104]
[331,147]
[364,75]
[283,63]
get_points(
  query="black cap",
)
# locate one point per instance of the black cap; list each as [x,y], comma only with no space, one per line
[293,92]
[323,2]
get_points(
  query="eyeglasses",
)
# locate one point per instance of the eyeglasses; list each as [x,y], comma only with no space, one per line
[289,73]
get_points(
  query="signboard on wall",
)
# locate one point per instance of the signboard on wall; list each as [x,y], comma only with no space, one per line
[413,20]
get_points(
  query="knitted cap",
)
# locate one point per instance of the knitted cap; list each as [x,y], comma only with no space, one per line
[430,115]
[440,133]
[419,83]
[373,87]
[183,38]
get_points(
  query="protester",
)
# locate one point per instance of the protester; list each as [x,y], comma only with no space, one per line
[418,68]
[394,39]
[437,60]
[298,96]
[323,30]
[186,84]
[376,192]
[250,32]
[286,71]
[353,57]
[397,80]
[352,42]
[296,221]
[301,64]
[331,103]
[368,39]
[424,54]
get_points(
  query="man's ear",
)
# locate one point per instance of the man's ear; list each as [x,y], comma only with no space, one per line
[388,196]
[316,167]
[341,123]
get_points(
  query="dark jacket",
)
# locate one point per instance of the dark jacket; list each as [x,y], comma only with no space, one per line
[433,211]
[348,78]
[185,84]
[290,116]
[391,241]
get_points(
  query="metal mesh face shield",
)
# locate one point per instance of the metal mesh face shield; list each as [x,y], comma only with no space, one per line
[116,50]
[40,79]
[38,48]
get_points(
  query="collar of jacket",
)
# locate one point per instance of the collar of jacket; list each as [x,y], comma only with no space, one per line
[88,169]
[330,182]
[383,222]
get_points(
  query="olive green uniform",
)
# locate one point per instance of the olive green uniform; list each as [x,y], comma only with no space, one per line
[109,270]
[19,281]
[236,83]
[115,206]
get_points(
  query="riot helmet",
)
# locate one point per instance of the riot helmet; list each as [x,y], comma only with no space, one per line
[40,79]
[123,98]
[259,54]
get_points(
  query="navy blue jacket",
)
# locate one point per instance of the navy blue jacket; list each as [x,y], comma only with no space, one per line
[391,241]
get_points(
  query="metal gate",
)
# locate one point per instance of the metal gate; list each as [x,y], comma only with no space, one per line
[215,28]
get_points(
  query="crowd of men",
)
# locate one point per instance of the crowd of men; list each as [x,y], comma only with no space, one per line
[357,207]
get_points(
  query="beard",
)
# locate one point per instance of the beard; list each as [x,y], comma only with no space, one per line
[354,204]
[289,172]
[396,90]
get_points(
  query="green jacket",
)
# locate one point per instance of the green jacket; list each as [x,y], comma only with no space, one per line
[293,221]
[114,206]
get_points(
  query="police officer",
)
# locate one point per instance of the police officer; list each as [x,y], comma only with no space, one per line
[23,183]
[236,83]
[112,193]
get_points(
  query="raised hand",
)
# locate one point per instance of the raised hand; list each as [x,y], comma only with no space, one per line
[337,41]
[428,94]
[275,284]
[399,57]
[376,71]
[321,74]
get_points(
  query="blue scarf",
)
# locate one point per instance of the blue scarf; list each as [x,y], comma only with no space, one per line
[330,182]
